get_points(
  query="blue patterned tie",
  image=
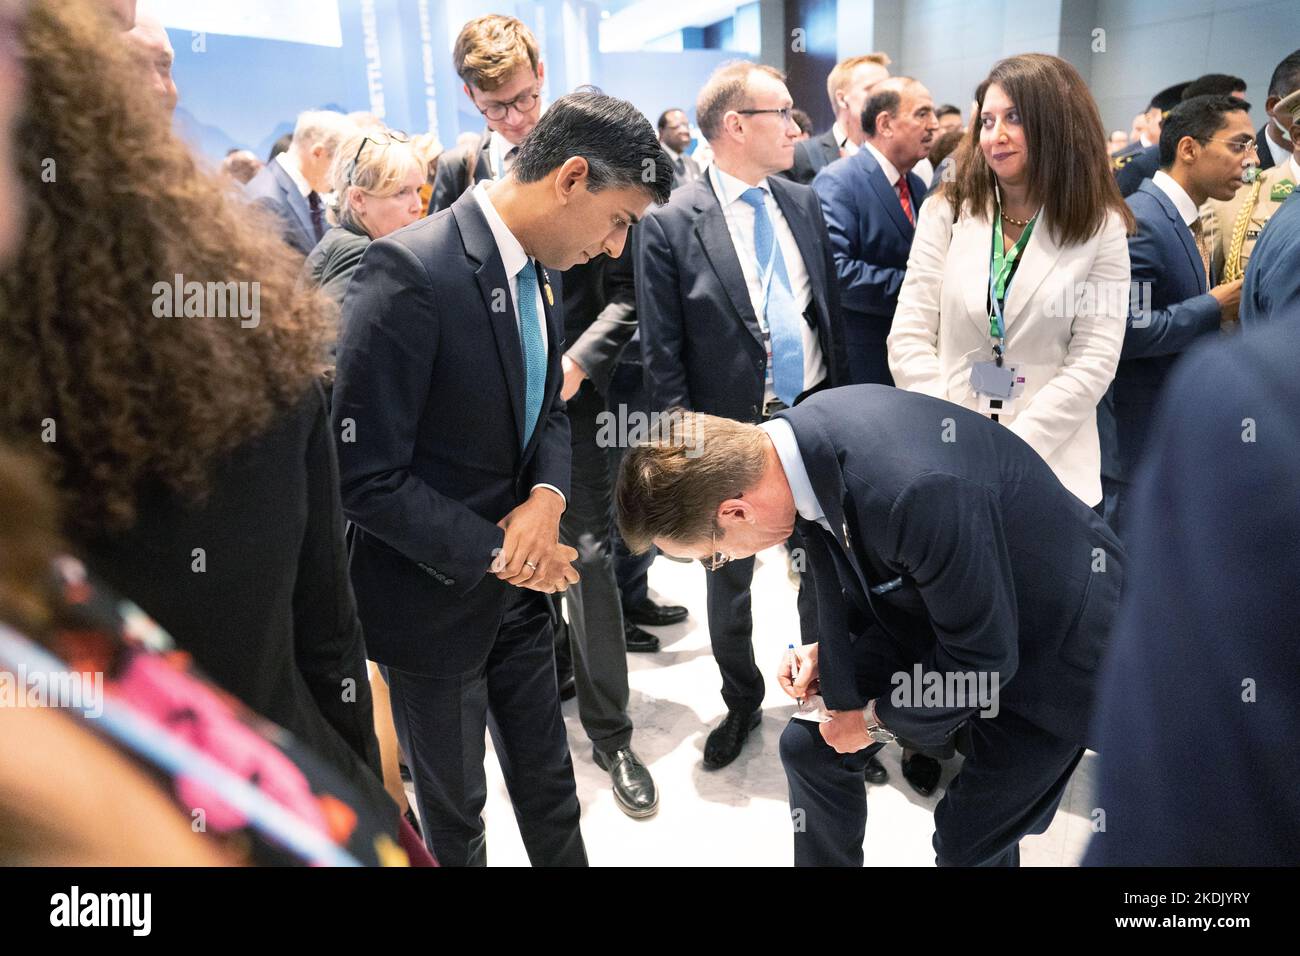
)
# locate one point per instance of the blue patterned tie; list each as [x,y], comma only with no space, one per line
[530,337]
[783,319]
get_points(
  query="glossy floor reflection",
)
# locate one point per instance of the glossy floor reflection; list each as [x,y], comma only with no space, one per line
[738,815]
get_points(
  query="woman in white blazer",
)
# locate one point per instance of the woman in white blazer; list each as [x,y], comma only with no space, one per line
[1034,162]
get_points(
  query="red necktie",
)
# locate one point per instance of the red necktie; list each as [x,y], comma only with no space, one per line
[905,197]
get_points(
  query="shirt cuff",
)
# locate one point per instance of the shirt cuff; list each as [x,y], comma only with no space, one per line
[543,484]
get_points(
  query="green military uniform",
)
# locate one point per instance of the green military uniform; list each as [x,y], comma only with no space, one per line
[1232,227]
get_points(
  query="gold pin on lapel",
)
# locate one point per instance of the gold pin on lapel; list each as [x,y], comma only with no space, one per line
[546,284]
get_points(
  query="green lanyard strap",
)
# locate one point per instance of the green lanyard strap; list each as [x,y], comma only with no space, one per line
[1000,270]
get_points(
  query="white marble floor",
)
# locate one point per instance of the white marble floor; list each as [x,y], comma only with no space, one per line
[738,816]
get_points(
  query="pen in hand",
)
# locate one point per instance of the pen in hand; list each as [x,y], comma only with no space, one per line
[794,670]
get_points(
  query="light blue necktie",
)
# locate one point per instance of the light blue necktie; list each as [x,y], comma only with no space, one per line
[783,318]
[530,337]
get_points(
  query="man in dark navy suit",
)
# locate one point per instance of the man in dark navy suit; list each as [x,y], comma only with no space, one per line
[1272,284]
[740,316]
[454,458]
[945,612]
[871,202]
[291,185]
[1205,144]
[1198,712]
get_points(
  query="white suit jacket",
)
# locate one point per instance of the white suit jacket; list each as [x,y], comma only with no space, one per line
[1065,317]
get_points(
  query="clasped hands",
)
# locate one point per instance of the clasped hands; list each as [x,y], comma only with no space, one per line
[846,731]
[532,556]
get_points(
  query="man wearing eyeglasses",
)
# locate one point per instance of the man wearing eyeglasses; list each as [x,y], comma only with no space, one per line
[740,318]
[500,63]
[1206,143]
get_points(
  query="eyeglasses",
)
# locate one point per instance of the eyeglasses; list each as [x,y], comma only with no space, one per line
[717,559]
[784,112]
[383,139]
[521,104]
[1238,147]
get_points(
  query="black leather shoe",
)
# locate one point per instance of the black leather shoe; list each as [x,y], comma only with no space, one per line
[876,772]
[568,687]
[650,614]
[634,789]
[727,739]
[639,641]
[922,773]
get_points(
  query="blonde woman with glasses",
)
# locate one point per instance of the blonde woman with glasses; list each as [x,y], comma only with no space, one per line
[377,177]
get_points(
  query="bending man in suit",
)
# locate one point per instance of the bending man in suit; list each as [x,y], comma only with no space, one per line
[499,63]
[944,612]
[1205,143]
[454,458]
[740,317]
[291,185]
[848,86]
[870,202]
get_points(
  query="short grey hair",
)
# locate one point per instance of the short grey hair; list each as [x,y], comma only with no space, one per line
[321,128]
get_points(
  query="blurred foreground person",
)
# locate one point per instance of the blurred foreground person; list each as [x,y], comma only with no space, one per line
[161,367]
[1200,675]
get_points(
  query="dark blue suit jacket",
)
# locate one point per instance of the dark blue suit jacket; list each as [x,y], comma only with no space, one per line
[274,189]
[1143,165]
[951,533]
[1162,257]
[431,374]
[870,240]
[700,339]
[1272,286]
[1193,771]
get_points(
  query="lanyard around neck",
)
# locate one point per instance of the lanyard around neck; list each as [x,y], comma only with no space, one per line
[1000,269]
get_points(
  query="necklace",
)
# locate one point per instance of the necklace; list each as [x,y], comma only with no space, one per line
[1016,222]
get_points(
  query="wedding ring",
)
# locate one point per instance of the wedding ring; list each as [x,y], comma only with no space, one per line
[531,565]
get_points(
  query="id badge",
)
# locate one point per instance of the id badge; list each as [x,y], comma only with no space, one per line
[989,380]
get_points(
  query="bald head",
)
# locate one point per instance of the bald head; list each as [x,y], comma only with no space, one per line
[122,11]
[153,50]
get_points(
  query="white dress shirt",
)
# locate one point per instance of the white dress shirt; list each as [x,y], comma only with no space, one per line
[498,146]
[740,223]
[1280,153]
[515,260]
[847,146]
[796,472]
[1178,195]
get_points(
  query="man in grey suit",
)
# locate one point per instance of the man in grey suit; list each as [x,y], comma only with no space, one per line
[292,185]
[675,136]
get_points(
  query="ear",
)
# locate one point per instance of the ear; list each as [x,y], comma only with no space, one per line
[1188,149]
[731,124]
[735,511]
[570,177]
[357,199]
[541,72]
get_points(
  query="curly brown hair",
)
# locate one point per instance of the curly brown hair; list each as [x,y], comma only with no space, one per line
[115,203]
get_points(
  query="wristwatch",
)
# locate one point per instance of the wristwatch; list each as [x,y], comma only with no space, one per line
[875,729]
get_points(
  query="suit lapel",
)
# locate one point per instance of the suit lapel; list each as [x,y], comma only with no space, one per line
[297,201]
[798,218]
[887,195]
[972,243]
[715,237]
[1180,229]
[494,286]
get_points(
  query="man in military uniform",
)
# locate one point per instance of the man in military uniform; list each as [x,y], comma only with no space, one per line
[1146,148]
[1231,227]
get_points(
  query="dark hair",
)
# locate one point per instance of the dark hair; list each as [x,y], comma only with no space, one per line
[1214,84]
[1200,118]
[1286,76]
[663,117]
[1068,168]
[882,101]
[946,109]
[944,146]
[618,143]
[1168,98]
[802,120]
[281,145]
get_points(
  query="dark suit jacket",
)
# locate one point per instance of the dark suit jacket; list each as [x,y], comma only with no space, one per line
[1163,257]
[274,189]
[600,314]
[1265,153]
[700,339]
[1272,286]
[1214,540]
[811,156]
[450,179]
[431,374]
[692,170]
[1143,165]
[870,240]
[331,264]
[957,526]
[271,617]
